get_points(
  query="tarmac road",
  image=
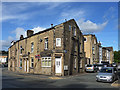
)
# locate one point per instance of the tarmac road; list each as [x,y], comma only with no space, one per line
[17,80]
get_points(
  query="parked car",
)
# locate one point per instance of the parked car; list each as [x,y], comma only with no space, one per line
[114,64]
[90,68]
[107,74]
[118,67]
[99,66]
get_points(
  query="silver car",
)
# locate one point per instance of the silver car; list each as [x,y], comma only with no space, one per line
[90,68]
[107,74]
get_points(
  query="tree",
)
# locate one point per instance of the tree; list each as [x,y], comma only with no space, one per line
[117,56]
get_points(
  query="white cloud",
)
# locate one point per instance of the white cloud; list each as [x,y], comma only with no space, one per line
[90,27]
[4,44]
[19,31]
[73,13]
[38,29]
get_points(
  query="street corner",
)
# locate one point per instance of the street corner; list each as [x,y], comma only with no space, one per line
[115,84]
[56,78]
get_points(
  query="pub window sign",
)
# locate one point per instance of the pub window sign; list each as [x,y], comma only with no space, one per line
[37,56]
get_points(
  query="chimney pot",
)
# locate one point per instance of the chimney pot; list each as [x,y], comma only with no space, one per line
[29,32]
[21,37]
[51,25]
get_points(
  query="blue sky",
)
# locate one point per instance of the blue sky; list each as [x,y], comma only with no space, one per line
[100,18]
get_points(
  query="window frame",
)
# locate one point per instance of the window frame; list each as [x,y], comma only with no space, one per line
[75,65]
[46,59]
[69,27]
[20,65]
[21,50]
[32,47]
[46,43]
[58,43]
[74,30]
[32,62]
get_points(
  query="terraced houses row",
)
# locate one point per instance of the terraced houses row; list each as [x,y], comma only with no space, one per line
[59,50]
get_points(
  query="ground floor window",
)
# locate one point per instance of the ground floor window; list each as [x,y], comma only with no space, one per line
[46,61]
[80,63]
[75,63]
[32,62]
[21,63]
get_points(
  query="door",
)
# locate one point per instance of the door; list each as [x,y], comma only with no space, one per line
[58,65]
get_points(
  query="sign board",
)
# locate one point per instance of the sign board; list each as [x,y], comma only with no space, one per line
[66,67]
[37,56]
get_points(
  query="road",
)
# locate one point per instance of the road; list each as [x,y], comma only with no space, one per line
[16,80]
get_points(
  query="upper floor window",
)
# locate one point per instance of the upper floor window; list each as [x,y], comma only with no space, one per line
[74,30]
[58,42]
[85,39]
[32,62]
[21,49]
[69,27]
[46,43]
[32,47]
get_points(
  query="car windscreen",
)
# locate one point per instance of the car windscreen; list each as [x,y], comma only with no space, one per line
[89,65]
[106,70]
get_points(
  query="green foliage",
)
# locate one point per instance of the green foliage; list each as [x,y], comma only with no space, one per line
[117,56]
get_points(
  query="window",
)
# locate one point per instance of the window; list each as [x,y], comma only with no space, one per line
[93,49]
[46,62]
[80,63]
[75,63]
[32,46]
[20,62]
[85,39]
[32,62]
[69,27]
[58,42]
[21,49]
[74,29]
[46,43]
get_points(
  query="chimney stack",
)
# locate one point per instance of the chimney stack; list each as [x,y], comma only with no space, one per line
[51,25]
[29,33]
[21,37]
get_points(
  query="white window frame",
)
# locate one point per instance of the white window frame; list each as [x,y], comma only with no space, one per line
[46,43]
[32,47]
[80,63]
[46,59]
[69,27]
[32,62]
[74,30]
[58,42]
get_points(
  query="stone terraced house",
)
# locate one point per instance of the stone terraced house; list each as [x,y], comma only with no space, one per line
[58,50]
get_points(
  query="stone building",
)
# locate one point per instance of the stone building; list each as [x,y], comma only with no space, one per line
[58,50]
[107,54]
[91,49]
[100,52]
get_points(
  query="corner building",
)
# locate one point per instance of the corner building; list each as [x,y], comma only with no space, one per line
[58,50]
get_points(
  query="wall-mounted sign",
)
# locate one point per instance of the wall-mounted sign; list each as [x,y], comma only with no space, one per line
[65,67]
[37,56]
